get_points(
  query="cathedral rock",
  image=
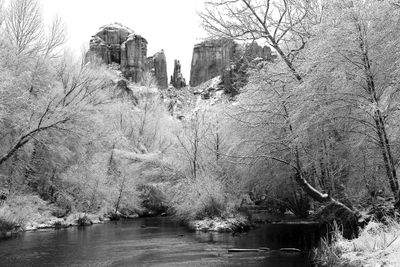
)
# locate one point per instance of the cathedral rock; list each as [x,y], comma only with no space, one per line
[177,79]
[157,64]
[115,43]
[210,58]
[221,56]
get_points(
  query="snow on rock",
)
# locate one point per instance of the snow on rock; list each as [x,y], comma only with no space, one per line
[115,26]
[220,225]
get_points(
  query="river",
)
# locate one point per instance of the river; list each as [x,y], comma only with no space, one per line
[158,242]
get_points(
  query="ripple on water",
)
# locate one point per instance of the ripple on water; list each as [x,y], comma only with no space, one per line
[160,243]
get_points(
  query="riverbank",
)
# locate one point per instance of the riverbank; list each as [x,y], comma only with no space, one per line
[75,219]
[378,244]
[240,222]
[31,213]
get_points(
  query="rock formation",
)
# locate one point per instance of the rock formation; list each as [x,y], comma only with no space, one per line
[98,49]
[223,57]
[212,88]
[133,57]
[115,43]
[106,43]
[157,65]
[254,50]
[177,79]
[250,55]
[210,58]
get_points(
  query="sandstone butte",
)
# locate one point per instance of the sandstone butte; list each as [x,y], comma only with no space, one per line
[116,43]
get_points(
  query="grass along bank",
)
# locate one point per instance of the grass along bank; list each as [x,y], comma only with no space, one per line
[206,204]
[378,244]
[30,212]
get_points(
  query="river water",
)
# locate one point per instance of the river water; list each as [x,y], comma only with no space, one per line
[158,242]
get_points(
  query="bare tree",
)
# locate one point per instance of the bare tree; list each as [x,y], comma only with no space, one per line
[365,56]
[191,140]
[56,37]
[287,27]
[24,25]
[26,31]
[26,35]
[379,120]
[59,111]
[120,193]
[284,25]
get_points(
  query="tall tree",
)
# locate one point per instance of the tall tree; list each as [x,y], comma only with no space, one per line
[24,25]
[289,27]
[284,25]
[353,69]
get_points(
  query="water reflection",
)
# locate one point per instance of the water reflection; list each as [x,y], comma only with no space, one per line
[157,242]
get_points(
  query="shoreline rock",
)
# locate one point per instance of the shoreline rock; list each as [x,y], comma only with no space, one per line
[72,220]
[75,219]
[221,225]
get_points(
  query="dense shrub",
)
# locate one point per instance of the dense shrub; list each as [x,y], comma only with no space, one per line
[20,209]
[8,220]
[375,242]
[202,197]
[84,220]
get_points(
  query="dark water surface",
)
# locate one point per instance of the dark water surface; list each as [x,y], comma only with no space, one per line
[157,242]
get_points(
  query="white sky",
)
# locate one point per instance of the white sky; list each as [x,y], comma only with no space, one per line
[172,25]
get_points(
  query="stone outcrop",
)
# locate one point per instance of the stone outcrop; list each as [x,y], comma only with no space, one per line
[177,79]
[157,65]
[250,55]
[115,43]
[210,58]
[254,50]
[224,57]
[98,50]
[106,43]
[133,57]
[210,89]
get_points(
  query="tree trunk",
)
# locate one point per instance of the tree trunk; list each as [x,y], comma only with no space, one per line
[121,190]
[306,186]
[384,142]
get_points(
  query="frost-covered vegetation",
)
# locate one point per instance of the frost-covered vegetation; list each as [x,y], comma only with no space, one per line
[77,138]
[378,244]
[312,133]
[323,117]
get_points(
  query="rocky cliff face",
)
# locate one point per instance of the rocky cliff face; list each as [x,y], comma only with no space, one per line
[254,50]
[209,59]
[157,64]
[115,43]
[177,79]
[221,57]
[133,57]
[110,37]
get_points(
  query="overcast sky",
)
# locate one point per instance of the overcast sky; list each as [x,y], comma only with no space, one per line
[172,25]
